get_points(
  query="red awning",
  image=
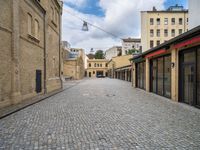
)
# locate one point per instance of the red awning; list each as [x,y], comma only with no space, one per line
[156,53]
[185,43]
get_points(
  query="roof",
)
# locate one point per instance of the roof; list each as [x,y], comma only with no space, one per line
[132,40]
[189,34]
[97,60]
[166,11]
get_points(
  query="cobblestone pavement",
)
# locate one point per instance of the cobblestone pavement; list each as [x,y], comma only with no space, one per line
[102,114]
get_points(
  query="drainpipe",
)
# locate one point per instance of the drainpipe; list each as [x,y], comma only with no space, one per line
[60,46]
[45,55]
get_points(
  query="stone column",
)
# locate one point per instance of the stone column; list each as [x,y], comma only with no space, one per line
[133,75]
[147,75]
[174,75]
[15,83]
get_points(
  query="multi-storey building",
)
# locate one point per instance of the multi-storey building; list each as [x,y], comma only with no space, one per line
[159,26]
[97,67]
[129,44]
[30,49]
[113,52]
[194,12]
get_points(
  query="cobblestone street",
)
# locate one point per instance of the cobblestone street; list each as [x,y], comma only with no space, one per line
[102,114]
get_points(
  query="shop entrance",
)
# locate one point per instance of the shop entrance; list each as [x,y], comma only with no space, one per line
[189,77]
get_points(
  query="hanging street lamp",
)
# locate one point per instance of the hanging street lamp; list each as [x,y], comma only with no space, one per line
[85,26]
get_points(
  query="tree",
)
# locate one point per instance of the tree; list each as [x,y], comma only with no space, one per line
[99,54]
[133,51]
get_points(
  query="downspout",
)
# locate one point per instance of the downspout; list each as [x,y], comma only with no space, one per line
[60,46]
[45,55]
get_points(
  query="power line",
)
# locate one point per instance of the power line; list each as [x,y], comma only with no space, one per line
[97,27]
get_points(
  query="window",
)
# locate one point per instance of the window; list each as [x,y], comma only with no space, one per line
[158,33]
[173,33]
[158,21]
[100,65]
[151,33]
[141,75]
[180,31]
[166,33]
[89,64]
[158,42]
[93,72]
[151,44]
[29,24]
[151,21]
[173,21]
[36,29]
[180,21]
[106,65]
[161,76]
[95,65]
[166,21]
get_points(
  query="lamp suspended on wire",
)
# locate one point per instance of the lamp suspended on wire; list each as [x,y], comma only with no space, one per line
[85,26]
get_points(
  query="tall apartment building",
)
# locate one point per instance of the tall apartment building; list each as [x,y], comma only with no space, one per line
[30,55]
[194,12]
[158,26]
[130,43]
[113,52]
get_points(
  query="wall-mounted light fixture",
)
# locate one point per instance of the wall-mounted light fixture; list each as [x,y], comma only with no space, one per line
[172,64]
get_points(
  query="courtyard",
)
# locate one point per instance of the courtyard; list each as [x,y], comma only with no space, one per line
[102,114]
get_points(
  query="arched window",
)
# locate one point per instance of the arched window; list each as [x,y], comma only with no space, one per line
[29,24]
[95,65]
[36,28]
[89,64]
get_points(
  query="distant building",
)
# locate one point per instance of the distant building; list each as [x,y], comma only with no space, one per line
[158,26]
[194,12]
[97,67]
[73,63]
[113,52]
[30,49]
[120,68]
[130,43]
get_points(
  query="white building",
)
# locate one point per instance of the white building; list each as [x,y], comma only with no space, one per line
[130,43]
[113,52]
[194,12]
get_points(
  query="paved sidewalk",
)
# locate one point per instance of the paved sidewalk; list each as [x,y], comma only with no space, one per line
[102,114]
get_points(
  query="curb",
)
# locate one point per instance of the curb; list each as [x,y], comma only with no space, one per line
[24,105]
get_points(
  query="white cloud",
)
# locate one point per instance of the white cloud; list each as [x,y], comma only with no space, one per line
[122,18]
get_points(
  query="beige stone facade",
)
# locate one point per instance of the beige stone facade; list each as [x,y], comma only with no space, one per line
[97,67]
[120,67]
[158,27]
[30,49]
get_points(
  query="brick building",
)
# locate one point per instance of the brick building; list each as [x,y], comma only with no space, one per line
[30,49]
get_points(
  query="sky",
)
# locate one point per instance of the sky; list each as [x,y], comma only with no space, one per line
[119,17]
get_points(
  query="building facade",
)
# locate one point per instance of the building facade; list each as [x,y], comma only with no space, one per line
[194,12]
[129,44]
[113,52]
[73,63]
[30,49]
[97,67]
[159,26]
[171,69]
[120,68]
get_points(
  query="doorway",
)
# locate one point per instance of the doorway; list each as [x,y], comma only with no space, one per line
[188,77]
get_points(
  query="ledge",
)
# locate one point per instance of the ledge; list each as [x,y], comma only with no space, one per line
[33,38]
